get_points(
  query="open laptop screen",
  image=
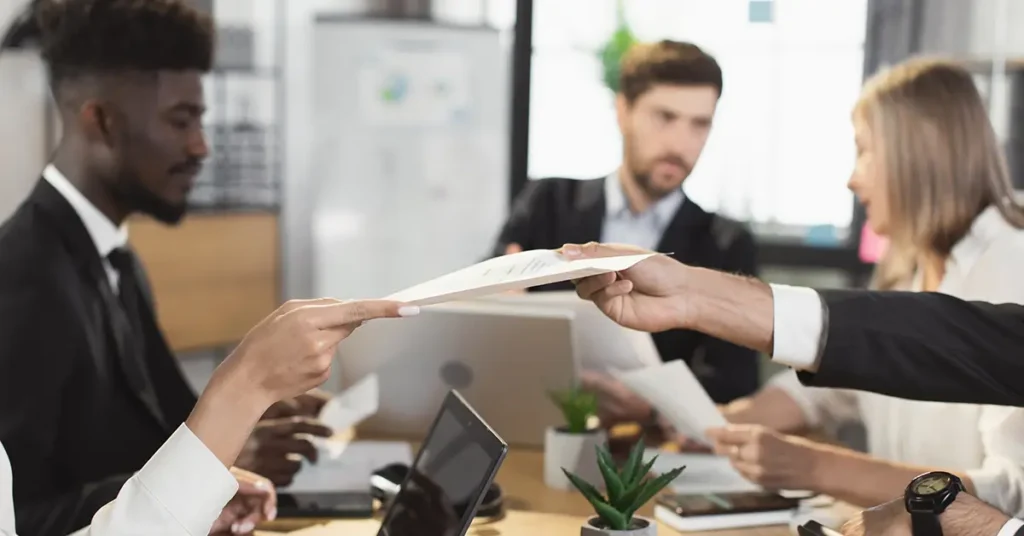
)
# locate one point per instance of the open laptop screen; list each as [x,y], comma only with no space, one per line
[453,470]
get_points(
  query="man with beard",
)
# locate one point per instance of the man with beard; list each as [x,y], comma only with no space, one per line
[665,107]
[89,388]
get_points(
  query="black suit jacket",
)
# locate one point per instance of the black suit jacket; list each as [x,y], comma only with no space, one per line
[552,212]
[922,346]
[73,424]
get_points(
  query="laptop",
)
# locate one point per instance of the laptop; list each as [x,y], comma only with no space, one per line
[503,359]
[452,471]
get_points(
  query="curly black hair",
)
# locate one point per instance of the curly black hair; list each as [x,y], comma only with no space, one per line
[89,37]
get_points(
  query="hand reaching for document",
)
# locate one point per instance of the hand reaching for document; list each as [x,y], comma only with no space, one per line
[650,296]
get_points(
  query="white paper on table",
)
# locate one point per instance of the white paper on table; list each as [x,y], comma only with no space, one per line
[353,405]
[511,272]
[675,393]
[704,473]
[347,465]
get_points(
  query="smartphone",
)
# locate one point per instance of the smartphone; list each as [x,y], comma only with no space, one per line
[344,505]
[813,528]
[711,504]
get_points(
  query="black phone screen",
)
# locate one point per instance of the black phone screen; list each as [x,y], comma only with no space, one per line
[347,504]
[726,503]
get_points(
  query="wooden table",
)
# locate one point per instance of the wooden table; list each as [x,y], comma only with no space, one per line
[533,509]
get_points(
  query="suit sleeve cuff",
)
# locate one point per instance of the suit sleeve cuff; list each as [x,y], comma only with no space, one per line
[188,481]
[799,327]
[1012,527]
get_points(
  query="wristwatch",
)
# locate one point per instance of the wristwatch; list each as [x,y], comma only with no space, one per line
[926,497]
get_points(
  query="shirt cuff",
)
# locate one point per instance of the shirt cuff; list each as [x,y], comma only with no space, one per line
[1013,526]
[799,326]
[189,481]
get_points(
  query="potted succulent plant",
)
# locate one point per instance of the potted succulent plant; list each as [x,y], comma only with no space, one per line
[627,489]
[573,445]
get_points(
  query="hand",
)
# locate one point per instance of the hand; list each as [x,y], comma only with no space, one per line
[767,458]
[616,403]
[290,351]
[966,516]
[647,297]
[254,502]
[305,405]
[275,445]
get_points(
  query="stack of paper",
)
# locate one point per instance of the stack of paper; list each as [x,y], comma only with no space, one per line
[511,272]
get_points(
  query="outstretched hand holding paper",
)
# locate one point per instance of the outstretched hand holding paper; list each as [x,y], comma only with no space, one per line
[511,272]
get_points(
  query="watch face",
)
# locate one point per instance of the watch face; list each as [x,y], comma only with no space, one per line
[932,484]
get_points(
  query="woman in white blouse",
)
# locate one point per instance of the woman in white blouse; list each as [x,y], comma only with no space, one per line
[187,488]
[934,182]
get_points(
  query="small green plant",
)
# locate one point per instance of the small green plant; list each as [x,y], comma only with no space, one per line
[627,488]
[577,406]
[615,48]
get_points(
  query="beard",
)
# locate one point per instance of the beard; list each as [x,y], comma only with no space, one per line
[131,193]
[642,172]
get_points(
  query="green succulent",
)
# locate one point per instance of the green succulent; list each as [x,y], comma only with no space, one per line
[577,406]
[613,51]
[627,487]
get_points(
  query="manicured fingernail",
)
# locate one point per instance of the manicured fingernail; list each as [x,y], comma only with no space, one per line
[260,484]
[408,310]
[234,528]
[246,527]
[571,250]
[272,514]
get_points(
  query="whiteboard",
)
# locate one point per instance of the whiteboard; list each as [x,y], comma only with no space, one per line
[410,153]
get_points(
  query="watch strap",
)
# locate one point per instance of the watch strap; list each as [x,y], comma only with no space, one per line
[925,524]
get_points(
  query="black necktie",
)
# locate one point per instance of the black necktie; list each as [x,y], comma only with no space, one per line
[123,260]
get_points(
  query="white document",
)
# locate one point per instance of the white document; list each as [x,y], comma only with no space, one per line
[347,466]
[674,391]
[600,343]
[511,272]
[353,405]
[704,473]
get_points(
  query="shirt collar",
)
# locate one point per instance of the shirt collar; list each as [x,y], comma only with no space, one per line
[105,235]
[664,209]
[986,228]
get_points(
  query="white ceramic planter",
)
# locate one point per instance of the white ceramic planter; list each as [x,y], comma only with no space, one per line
[643,527]
[576,453]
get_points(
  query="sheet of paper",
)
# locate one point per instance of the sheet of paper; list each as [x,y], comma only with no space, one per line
[353,405]
[704,473]
[674,391]
[347,466]
[511,272]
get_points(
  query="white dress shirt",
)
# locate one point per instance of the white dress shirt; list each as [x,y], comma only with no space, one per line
[623,226]
[105,235]
[181,491]
[989,440]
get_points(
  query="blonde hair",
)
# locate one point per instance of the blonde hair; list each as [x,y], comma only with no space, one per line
[940,157]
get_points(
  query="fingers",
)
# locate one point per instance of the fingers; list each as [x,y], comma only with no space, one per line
[298,425]
[588,286]
[513,248]
[342,314]
[595,250]
[731,435]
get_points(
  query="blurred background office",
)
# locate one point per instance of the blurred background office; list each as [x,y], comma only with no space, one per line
[360,146]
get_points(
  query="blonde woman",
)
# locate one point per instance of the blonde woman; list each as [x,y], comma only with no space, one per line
[933,180]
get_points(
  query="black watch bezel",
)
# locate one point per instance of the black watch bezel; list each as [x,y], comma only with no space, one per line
[925,509]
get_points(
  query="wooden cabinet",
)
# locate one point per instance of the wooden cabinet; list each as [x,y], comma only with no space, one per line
[214,276]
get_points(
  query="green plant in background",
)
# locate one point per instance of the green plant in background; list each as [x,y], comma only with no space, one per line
[577,406]
[613,51]
[628,489]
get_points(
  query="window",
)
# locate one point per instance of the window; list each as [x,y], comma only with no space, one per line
[781,150]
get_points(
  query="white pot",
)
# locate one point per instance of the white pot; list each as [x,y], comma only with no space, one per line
[643,527]
[576,453]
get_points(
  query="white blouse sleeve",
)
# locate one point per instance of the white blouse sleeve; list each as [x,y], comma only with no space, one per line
[825,408]
[1000,479]
[180,492]
[6,497]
